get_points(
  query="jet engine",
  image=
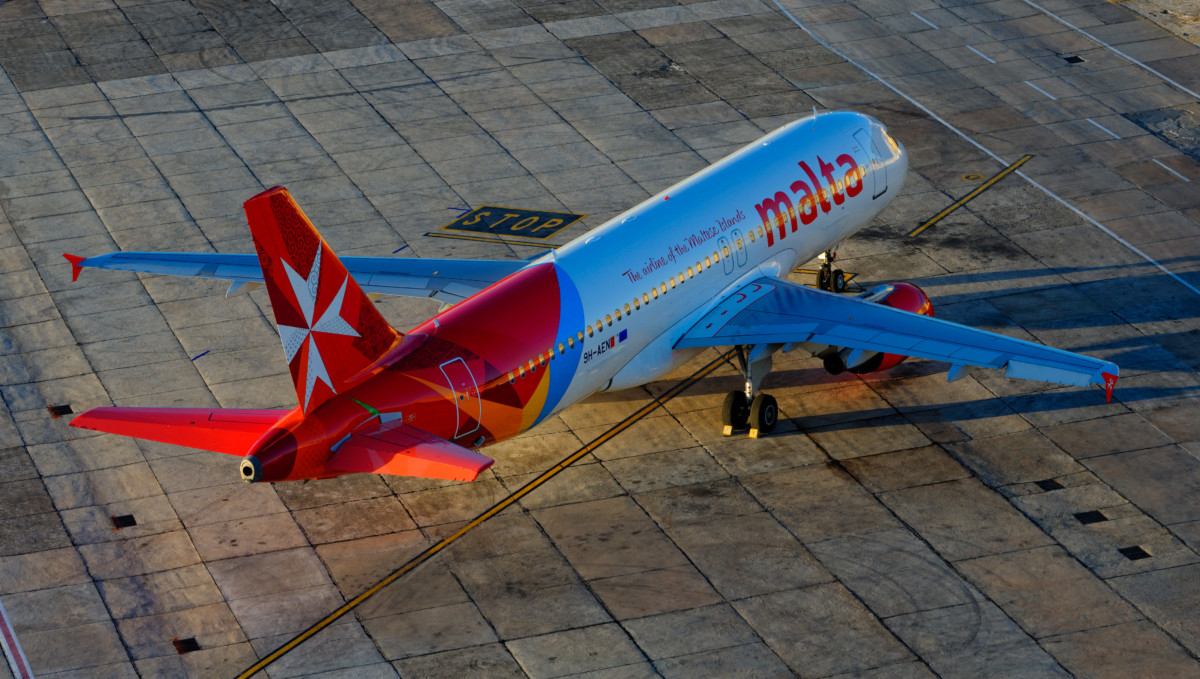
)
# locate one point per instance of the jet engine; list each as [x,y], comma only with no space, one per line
[904,296]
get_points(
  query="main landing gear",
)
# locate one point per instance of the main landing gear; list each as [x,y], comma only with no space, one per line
[829,278]
[742,408]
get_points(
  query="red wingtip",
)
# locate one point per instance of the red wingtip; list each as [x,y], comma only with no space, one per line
[75,268]
[1110,381]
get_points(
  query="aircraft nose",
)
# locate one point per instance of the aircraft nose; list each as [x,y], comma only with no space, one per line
[251,469]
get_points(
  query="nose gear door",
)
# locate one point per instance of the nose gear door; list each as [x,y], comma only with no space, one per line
[462,383]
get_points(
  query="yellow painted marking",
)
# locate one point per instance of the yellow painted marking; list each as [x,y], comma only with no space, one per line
[494,510]
[492,240]
[972,177]
[978,190]
[497,220]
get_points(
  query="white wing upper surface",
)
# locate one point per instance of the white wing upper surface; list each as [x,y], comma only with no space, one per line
[774,311]
[446,280]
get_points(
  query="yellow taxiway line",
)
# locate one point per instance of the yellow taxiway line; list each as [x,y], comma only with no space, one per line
[963,201]
[494,510]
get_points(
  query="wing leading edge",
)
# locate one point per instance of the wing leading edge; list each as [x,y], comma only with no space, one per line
[446,280]
[774,311]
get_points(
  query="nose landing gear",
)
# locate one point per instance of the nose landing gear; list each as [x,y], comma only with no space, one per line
[829,278]
[742,408]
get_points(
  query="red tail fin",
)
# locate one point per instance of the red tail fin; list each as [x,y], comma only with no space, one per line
[330,330]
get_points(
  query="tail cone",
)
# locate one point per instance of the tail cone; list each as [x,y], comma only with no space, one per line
[251,469]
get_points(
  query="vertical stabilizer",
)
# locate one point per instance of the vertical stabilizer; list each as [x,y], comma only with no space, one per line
[330,330]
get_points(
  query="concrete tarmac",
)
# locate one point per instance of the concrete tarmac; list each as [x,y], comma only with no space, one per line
[894,525]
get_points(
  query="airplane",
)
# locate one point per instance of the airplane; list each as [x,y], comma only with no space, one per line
[701,264]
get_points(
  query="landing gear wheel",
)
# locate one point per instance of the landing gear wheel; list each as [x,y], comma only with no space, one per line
[823,277]
[839,281]
[764,413]
[735,412]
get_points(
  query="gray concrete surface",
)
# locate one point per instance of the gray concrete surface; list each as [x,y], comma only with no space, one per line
[896,525]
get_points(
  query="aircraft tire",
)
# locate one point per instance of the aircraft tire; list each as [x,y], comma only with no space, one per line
[838,282]
[735,412]
[764,413]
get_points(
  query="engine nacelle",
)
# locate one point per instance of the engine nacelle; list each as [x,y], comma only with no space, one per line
[905,296]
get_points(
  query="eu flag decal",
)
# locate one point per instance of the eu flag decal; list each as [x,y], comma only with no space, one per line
[623,336]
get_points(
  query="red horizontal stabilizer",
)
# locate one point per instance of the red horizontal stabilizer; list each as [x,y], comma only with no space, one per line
[75,268]
[230,430]
[403,450]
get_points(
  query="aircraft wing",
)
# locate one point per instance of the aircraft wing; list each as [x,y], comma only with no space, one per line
[221,430]
[774,311]
[446,280]
[398,449]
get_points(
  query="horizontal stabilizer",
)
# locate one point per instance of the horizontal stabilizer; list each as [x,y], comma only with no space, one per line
[231,431]
[399,449]
[447,280]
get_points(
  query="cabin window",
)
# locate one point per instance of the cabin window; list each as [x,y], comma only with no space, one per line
[571,342]
[599,326]
[522,371]
[618,313]
[739,244]
[725,249]
[751,235]
[663,287]
[716,257]
[561,348]
[681,278]
[511,377]
[672,283]
[532,365]
[590,331]
[628,310]
[760,232]
[654,291]
[608,319]
[541,359]
[646,298]
[689,272]
[637,303]
[707,262]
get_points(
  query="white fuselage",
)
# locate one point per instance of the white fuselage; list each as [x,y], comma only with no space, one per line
[709,235]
